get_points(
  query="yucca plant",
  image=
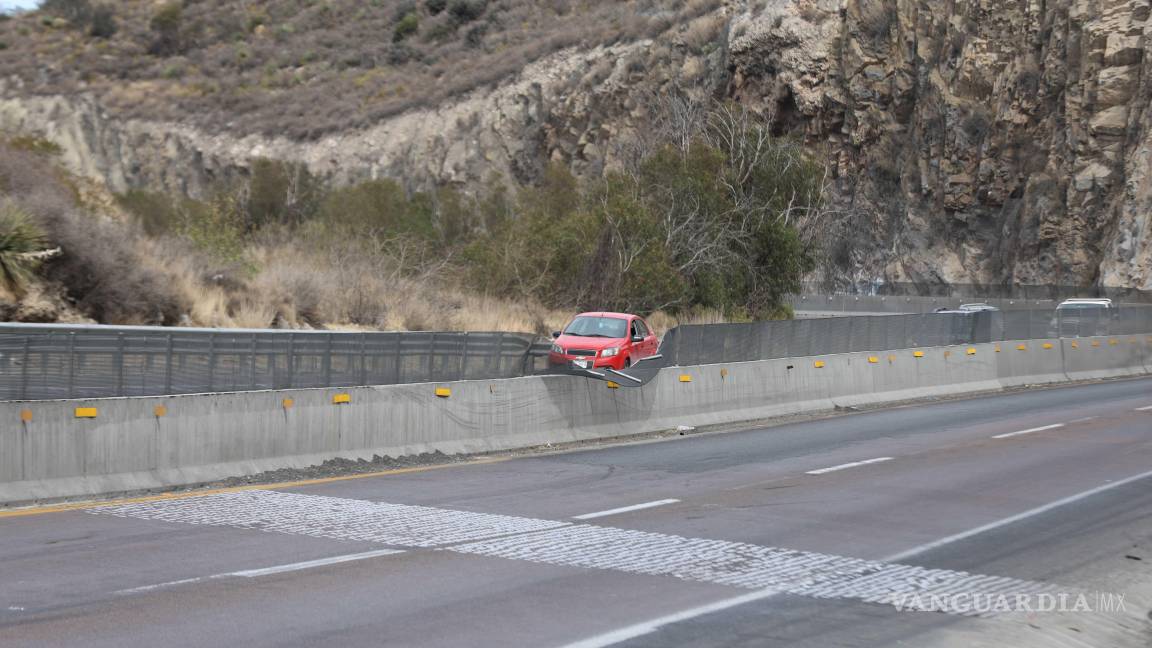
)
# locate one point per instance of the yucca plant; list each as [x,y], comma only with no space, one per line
[22,246]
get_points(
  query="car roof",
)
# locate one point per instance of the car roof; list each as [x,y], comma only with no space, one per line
[607,314]
[1087,300]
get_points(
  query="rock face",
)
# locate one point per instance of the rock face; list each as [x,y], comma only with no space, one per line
[973,141]
[986,141]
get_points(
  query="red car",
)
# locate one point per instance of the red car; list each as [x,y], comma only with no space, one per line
[613,340]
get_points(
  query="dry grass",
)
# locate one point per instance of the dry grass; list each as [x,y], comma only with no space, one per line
[305,68]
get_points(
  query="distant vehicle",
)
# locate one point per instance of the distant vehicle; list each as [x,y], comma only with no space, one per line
[977,308]
[967,308]
[1082,317]
[592,340]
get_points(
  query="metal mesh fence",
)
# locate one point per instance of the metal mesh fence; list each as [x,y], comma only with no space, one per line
[977,292]
[715,343]
[46,362]
[58,361]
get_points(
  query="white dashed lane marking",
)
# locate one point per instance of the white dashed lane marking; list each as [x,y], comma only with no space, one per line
[267,571]
[310,564]
[1028,431]
[1144,409]
[854,464]
[625,509]
[586,546]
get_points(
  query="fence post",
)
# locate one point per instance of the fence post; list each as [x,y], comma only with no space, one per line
[212,361]
[364,359]
[252,364]
[71,364]
[24,369]
[291,360]
[120,364]
[168,367]
[326,362]
[397,359]
[464,360]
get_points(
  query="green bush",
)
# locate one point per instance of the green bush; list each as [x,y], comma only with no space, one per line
[20,239]
[35,144]
[158,213]
[407,26]
[76,12]
[467,10]
[103,22]
[704,226]
[376,206]
[281,193]
[167,25]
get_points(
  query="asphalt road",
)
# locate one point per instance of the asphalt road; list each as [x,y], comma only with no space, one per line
[800,534]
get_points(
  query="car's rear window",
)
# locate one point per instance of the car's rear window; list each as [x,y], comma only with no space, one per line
[612,327]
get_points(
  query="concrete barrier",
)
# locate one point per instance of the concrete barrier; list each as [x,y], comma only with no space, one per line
[53,449]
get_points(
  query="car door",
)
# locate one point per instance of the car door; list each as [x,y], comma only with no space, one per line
[649,345]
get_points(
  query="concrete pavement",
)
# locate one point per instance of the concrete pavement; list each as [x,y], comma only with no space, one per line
[491,554]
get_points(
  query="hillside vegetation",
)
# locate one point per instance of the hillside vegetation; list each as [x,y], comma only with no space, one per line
[303,68]
[708,223]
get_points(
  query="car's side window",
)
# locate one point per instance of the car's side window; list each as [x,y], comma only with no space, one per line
[639,328]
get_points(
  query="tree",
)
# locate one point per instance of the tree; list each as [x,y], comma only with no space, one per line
[707,217]
[284,193]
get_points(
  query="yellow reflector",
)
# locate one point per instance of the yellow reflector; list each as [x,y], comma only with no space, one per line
[891,358]
[287,403]
[612,385]
[997,347]
[685,378]
[1112,342]
[873,359]
[1021,347]
[26,416]
[971,351]
[724,372]
[1095,343]
[1047,345]
[159,411]
[819,364]
[947,354]
[341,398]
[1075,344]
[917,354]
[443,392]
[85,412]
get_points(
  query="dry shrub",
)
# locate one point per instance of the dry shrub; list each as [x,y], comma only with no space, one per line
[662,322]
[704,31]
[106,266]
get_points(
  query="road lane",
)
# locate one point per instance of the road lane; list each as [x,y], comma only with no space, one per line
[63,569]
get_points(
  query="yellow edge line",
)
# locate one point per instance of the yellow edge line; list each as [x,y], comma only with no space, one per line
[74,506]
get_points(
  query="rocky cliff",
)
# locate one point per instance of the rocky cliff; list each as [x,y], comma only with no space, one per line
[988,141]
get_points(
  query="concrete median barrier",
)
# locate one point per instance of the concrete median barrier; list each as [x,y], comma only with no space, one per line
[49,452]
